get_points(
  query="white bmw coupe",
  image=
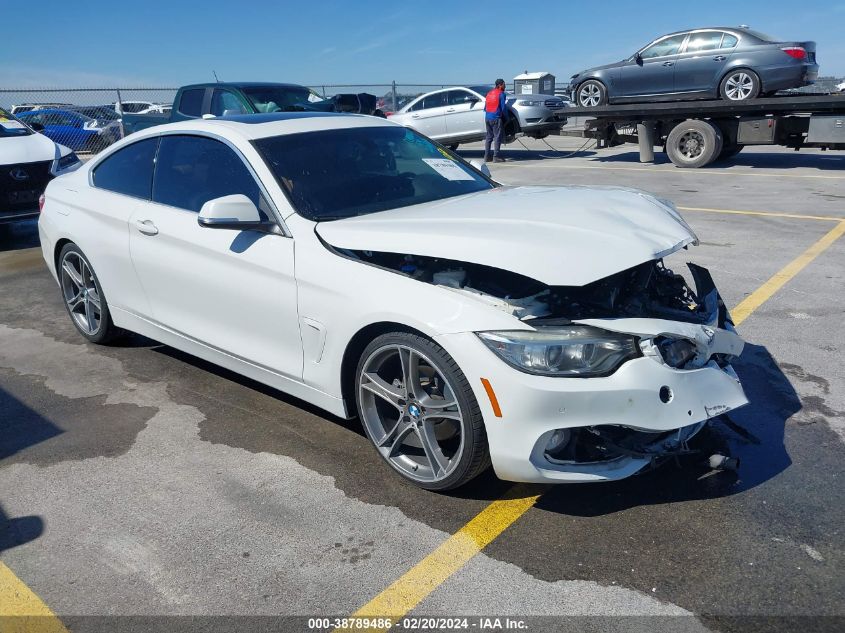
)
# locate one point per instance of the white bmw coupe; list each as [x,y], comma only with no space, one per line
[361,267]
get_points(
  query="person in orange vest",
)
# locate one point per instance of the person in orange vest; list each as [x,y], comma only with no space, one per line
[495,115]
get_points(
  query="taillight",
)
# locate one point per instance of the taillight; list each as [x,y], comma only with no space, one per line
[797,52]
[41,200]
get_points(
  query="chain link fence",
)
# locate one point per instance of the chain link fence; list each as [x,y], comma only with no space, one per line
[90,119]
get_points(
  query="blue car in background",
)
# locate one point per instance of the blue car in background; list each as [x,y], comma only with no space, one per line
[73,129]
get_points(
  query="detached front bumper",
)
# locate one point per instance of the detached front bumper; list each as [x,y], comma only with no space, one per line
[644,394]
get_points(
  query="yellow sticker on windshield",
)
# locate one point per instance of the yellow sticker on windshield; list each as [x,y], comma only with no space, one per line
[444,152]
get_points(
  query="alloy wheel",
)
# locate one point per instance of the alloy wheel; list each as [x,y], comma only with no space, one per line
[739,86]
[411,413]
[589,96]
[80,293]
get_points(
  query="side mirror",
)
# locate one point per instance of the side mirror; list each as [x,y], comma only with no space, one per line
[638,58]
[481,166]
[235,212]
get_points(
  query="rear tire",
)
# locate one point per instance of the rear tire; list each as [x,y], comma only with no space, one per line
[591,94]
[740,85]
[694,143]
[402,382]
[83,297]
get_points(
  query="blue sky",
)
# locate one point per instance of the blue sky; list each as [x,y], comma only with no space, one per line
[155,43]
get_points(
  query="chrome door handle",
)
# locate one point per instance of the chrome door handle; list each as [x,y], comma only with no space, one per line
[146,227]
[415,116]
[719,58]
[450,110]
[668,63]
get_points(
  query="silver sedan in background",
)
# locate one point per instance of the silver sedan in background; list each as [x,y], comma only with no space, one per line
[453,116]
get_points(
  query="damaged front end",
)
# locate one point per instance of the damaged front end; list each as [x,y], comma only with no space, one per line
[647,290]
[648,362]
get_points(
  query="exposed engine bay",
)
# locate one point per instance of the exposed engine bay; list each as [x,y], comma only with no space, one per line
[649,290]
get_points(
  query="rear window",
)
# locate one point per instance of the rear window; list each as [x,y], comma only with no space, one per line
[129,170]
[190,103]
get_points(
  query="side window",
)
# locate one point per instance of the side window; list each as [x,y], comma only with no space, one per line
[666,46]
[417,106]
[190,103]
[729,41]
[129,170]
[437,100]
[224,102]
[191,170]
[704,41]
[457,97]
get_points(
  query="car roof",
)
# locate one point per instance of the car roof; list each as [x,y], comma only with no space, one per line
[733,29]
[243,84]
[255,126]
[51,110]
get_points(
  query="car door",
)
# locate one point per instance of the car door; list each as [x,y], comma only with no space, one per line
[234,291]
[428,115]
[700,64]
[464,113]
[653,71]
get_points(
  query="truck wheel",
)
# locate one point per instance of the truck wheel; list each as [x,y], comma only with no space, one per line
[591,94]
[740,85]
[694,143]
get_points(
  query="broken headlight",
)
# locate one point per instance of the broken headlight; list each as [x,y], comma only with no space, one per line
[573,350]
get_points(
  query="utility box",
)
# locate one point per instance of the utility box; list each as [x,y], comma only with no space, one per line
[826,129]
[756,130]
[534,84]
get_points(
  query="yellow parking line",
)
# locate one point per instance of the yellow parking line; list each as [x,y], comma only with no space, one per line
[411,588]
[21,611]
[768,214]
[764,292]
[702,172]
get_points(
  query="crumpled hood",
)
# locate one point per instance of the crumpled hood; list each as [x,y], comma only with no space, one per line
[560,236]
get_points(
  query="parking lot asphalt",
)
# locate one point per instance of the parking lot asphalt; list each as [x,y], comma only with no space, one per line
[137,480]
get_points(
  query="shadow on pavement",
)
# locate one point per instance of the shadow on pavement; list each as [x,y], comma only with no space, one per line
[521,155]
[18,530]
[754,434]
[786,159]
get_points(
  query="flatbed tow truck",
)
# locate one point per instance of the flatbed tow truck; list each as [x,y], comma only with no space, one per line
[697,133]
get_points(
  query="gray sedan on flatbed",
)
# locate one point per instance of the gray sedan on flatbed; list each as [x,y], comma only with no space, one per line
[736,64]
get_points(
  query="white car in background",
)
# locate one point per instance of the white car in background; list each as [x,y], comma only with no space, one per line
[28,161]
[456,115]
[353,263]
[142,107]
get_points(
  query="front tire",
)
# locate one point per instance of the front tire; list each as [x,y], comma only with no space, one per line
[694,143]
[591,94]
[740,85]
[418,410]
[83,296]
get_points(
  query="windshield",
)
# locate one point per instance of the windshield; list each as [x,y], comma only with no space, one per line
[334,174]
[277,98]
[11,126]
